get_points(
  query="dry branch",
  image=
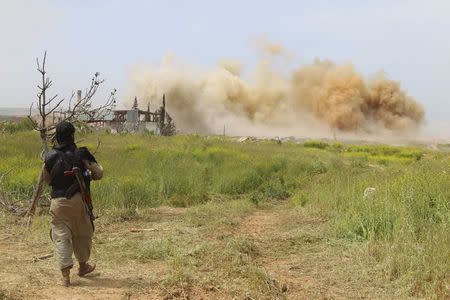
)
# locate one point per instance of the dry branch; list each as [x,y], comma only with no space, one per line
[2,200]
[143,229]
[36,195]
[2,197]
[42,257]
[98,146]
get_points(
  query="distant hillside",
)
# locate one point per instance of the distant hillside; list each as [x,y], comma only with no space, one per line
[14,111]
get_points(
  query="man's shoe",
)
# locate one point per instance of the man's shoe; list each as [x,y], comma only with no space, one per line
[85,268]
[66,276]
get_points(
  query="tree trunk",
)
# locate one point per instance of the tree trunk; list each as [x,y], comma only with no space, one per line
[40,182]
[36,195]
[44,141]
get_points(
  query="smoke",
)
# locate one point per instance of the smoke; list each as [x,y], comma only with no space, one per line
[342,98]
[319,97]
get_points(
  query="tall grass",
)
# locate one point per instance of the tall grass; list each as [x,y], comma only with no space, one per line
[405,224]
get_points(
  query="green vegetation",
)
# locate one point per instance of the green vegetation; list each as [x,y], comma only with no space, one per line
[8,126]
[404,225]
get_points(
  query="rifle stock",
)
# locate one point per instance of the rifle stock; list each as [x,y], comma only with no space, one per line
[85,193]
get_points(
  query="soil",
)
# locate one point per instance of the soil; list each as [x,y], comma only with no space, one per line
[301,262]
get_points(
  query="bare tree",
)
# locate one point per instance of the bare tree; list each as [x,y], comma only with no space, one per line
[82,110]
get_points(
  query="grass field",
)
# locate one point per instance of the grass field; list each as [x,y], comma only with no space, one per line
[229,216]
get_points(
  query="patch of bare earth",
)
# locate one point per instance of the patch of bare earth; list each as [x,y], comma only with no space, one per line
[300,262]
[22,276]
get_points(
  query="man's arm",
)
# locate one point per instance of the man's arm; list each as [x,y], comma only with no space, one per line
[90,163]
[50,159]
[95,168]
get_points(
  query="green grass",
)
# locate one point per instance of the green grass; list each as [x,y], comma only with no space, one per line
[8,126]
[405,224]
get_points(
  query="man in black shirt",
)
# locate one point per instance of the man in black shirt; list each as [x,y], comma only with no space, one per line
[71,226]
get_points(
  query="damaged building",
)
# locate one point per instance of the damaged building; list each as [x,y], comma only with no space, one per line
[138,120]
[127,120]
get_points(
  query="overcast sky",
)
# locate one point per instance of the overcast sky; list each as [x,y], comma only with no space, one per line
[408,40]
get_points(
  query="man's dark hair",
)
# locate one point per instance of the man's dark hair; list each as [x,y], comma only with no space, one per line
[65,133]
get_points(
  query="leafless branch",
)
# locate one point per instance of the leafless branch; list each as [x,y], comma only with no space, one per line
[55,107]
[35,125]
[98,146]
[42,257]
[51,100]
[82,110]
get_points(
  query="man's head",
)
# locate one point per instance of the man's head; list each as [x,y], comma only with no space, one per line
[65,133]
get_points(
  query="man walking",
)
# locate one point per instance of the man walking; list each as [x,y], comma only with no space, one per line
[72,224]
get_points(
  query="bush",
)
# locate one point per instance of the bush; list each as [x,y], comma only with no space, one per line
[387,152]
[316,144]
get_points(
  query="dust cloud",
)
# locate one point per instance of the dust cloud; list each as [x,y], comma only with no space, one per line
[316,98]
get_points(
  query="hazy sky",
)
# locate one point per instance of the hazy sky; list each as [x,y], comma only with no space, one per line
[409,40]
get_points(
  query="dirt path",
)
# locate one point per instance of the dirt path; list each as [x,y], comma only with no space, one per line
[305,263]
[298,260]
[21,277]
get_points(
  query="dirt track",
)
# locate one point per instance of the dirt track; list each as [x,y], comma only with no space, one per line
[300,262]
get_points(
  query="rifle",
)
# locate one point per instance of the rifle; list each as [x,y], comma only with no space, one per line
[85,192]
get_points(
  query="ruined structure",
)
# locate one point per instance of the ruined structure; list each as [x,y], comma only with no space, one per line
[137,120]
[133,120]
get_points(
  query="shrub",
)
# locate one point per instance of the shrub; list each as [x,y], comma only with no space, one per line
[315,144]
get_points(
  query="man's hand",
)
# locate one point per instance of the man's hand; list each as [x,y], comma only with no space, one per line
[94,168]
